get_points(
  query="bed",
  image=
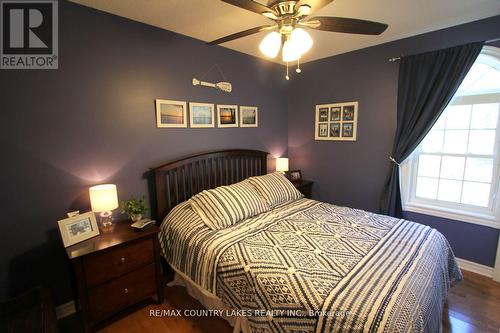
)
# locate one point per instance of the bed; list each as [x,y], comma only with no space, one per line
[304,265]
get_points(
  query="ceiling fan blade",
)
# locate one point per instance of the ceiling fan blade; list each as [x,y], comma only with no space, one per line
[242,34]
[314,4]
[250,5]
[345,25]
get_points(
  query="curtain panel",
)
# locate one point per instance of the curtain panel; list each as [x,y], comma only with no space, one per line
[427,83]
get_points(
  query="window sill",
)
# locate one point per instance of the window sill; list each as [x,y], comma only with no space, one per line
[468,217]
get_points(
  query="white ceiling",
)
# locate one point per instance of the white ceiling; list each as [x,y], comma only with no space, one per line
[211,19]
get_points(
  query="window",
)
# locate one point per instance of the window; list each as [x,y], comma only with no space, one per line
[454,171]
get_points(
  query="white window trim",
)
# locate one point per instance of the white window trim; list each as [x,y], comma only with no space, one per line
[489,216]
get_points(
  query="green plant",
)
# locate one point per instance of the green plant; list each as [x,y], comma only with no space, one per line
[134,206]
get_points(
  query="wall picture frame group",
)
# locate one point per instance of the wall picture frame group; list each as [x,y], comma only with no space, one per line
[336,122]
[173,114]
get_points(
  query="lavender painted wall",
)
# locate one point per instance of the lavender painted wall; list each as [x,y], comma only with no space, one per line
[93,121]
[352,173]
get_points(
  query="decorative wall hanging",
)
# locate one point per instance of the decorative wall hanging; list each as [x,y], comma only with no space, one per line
[201,115]
[336,122]
[227,116]
[171,113]
[222,86]
[249,116]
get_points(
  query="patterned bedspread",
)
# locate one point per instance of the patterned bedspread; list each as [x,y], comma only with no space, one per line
[308,266]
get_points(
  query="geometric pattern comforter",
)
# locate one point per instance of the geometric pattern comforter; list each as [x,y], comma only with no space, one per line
[308,266]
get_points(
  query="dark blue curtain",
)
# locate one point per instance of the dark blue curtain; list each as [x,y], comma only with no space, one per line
[427,83]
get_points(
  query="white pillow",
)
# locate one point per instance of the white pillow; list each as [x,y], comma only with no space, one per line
[275,188]
[223,206]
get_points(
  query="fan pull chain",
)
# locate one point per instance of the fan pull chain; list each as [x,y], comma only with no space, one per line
[298,70]
[287,77]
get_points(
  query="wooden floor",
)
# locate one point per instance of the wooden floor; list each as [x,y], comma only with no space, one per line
[473,306]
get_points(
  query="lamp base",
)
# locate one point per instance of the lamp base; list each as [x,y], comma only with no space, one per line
[106,221]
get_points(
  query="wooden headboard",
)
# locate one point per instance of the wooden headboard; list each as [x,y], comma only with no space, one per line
[179,180]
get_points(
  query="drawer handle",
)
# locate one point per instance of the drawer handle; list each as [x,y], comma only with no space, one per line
[122,260]
[125,291]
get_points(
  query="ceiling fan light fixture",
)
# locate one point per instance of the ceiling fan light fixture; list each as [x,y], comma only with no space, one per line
[291,51]
[302,39]
[304,10]
[270,45]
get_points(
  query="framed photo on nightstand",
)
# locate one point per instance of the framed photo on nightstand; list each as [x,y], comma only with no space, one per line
[78,228]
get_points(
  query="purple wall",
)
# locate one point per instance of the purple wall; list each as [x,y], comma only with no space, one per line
[352,173]
[93,121]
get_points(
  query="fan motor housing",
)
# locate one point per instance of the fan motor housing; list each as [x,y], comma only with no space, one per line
[283,7]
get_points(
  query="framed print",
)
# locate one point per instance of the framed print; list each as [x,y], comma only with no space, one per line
[348,113]
[347,130]
[335,130]
[335,113]
[295,175]
[323,130]
[201,115]
[227,116]
[78,228]
[323,114]
[249,116]
[171,114]
[336,121]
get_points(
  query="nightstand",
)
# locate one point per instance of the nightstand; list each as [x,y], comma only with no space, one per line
[305,187]
[116,270]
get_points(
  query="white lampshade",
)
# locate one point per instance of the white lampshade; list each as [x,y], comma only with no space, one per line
[291,51]
[103,198]
[302,39]
[270,45]
[282,164]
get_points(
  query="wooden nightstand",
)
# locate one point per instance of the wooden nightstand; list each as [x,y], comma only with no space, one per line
[116,270]
[305,187]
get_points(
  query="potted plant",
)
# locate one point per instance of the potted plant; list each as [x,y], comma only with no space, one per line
[134,208]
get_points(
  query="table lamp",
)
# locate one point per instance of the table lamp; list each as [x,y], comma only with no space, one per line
[103,199]
[282,164]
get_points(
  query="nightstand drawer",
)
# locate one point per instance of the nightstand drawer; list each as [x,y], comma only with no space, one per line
[102,267]
[122,292]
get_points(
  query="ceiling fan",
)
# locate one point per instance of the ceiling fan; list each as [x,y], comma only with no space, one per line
[290,16]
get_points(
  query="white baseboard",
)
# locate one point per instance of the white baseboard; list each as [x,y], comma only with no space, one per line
[475,267]
[65,309]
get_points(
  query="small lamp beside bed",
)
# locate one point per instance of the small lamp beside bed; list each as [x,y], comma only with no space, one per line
[282,164]
[103,199]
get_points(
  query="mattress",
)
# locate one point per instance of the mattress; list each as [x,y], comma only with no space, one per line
[309,266]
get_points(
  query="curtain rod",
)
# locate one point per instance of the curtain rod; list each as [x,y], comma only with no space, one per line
[394,59]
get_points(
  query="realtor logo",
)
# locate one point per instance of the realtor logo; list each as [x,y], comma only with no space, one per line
[29,38]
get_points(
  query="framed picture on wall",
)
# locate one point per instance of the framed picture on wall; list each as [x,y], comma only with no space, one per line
[78,228]
[227,116]
[249,116]
[201,115]
[336,122]
[171,114]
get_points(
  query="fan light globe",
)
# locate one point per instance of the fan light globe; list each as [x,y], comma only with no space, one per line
[291,51]
[270,45]
[302,39]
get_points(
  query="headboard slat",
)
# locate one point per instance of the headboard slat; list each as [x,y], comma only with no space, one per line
[177,181]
